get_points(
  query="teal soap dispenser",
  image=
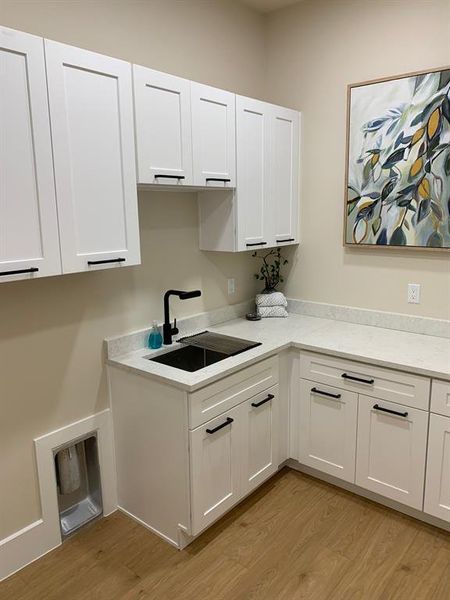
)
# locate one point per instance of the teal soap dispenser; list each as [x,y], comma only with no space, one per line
[155,337]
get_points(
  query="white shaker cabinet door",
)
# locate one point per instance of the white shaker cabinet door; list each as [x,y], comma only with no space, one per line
[391,451]
[213,136]
[163,127]
[91,114]
[29,245]
[327,429]
[437,489]
[261,438]
[215,455]
[285,137]
[254,226]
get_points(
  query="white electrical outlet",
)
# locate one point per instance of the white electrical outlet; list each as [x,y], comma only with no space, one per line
[414,293]
[231,286]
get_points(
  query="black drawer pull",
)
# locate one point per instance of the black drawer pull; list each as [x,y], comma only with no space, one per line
[223,179]
[256,244]
[169,176]
[106,261]
[288,240]
[227,422]
[269,397]
[391,412]
[329,394]
[369,381]
[19,271]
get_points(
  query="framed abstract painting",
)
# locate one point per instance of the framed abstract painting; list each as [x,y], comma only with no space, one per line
[398,162]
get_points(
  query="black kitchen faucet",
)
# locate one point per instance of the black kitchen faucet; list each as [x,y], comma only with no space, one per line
[168,330]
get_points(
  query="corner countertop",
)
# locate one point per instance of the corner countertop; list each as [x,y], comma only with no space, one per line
[420,354]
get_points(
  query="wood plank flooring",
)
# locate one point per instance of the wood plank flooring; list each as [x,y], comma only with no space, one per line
[295,538]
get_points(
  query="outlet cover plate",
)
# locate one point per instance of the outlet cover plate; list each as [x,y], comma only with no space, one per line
[414,293]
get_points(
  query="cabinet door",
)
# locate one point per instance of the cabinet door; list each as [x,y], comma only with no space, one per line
[213,136]
[327,429]
[284,164]
[215,455]
[253,166]
[29,245]
[437,489]
[261,438]
[163,127]
[391,450]
[91,115]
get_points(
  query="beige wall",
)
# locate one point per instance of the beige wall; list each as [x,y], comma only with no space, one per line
[315,49]
[51,331]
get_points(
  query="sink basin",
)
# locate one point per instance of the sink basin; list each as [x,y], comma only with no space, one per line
[189,358]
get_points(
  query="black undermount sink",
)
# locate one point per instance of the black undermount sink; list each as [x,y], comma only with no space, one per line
[203,349]
[189,358]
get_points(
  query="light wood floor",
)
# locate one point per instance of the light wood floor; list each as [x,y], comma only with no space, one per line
[294,538]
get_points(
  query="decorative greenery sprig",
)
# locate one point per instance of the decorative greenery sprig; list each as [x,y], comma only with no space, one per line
[270,271]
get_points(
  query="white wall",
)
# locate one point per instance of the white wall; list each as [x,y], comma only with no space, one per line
[315,49]
[51,331]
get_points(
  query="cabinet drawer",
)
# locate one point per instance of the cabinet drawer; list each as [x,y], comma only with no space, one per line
[212,400]
[440,397]
[386,384]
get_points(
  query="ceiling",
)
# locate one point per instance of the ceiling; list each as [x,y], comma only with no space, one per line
[268,5]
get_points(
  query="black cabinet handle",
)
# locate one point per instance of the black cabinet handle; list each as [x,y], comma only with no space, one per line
[224,180]
[269,397]
[288,240]
[322,393]
[106,261]
[19,271]
[227,422]
[391,412]
[369,381]
[169,176]
[257,244]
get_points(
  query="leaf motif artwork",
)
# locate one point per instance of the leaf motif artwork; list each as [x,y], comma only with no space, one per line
[398,162]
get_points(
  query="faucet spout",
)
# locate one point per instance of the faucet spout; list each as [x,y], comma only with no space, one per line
[168,330]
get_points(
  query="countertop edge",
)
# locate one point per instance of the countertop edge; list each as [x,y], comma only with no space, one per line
[405,368]
[118,362]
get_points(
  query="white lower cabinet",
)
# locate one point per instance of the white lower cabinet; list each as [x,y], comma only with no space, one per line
[260,456]
[391,450]
[437,490]
[215,467]
[327,429]
[231,455]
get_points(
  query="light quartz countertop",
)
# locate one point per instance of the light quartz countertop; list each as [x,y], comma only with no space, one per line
[410,352]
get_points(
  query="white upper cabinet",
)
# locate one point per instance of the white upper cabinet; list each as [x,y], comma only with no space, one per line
[263,210]
[284,165]
[213,136]
[29,245]
[91,116]
[163,127]
[253,173]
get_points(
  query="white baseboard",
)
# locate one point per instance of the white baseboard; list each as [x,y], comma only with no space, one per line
[149,527]
[33,541]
